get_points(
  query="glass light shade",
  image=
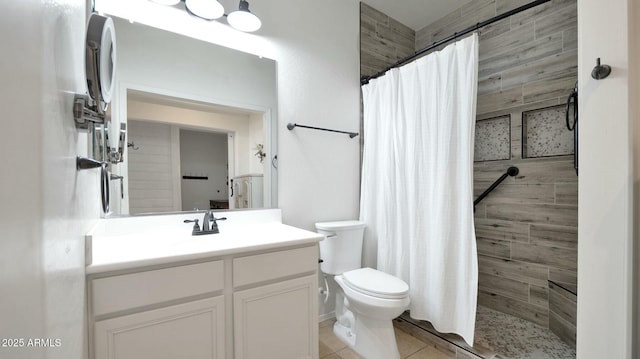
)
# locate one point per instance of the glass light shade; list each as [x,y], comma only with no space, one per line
[166,2]
[243,20]
[206,9]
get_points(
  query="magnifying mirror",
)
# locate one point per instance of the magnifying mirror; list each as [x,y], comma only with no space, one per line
[100,58]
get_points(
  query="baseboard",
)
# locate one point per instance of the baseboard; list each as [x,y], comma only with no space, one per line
[326,316]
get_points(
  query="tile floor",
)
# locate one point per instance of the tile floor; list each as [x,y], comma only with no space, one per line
[418,340]
[409,346]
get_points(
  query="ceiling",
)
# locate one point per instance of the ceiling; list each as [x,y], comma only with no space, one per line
[416,13]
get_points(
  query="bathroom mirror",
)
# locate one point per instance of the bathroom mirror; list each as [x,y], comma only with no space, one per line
[187,90]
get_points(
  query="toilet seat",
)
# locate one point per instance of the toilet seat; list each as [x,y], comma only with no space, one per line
[376,283]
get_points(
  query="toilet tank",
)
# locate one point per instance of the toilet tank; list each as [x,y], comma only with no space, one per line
[341,249]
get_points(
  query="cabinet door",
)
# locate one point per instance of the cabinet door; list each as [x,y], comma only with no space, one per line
[277,321]
[192,330]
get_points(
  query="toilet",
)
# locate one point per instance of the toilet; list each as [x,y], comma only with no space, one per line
[367,300]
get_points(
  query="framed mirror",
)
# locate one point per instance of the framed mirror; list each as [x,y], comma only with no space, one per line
[175,92]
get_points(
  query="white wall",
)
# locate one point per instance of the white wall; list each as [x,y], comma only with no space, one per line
[316,46]
[608,118]
[46,206]
[634,93]
[203,154]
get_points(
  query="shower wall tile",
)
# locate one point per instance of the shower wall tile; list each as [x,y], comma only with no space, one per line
[507,41]
[493,248]
[480,211]
[502,230]
[561,215]
[564,276]
[539,295]
[554,236]
[570,39]
[498,62]
[495,29]
[562,329]
[566,193]
[505,98]
[516,136]
[534,274]
[546,133]
[530,15]
[549,171]
[508,5]
[488,84]
[560,19]
[562,313]
[562,302]
[518,193]
[530,42]
[517,110]
[556,87]
[383,40]
[550,256]
[507,287]
[552,67]
[492,139]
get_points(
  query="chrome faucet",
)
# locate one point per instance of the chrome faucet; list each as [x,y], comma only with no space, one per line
[209,224]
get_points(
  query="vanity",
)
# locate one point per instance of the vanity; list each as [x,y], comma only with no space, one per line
[156,291]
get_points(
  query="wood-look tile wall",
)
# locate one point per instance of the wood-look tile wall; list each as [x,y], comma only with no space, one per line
[527,228]
[528,60]
[527,234]
[383,40]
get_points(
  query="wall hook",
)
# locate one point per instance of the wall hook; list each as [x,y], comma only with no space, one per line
[600,71]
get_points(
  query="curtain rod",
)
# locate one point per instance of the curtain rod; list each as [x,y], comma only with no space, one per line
[365,79]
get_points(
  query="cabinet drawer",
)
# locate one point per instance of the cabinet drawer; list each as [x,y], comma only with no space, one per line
[269,266]
[122,292]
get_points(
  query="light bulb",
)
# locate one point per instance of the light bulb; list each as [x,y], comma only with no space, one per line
[166,2]
[206,9]
[243,19]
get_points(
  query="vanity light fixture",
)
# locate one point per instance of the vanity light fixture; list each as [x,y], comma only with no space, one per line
[242,19]
[167,2]
[206,9]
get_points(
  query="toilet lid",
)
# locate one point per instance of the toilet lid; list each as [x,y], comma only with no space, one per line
[376,283]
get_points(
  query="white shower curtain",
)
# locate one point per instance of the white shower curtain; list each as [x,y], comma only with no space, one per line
[417,183]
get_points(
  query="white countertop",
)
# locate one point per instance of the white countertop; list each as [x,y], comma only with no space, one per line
[128,245]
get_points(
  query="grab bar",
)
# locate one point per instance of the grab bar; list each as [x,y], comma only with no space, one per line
[574,96]
[511,171]
[291,126]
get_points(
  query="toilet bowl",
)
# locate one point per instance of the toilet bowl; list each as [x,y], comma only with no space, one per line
[368,299]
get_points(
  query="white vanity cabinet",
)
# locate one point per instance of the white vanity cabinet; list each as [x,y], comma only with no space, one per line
[276,318]
[244,305]
[175,312]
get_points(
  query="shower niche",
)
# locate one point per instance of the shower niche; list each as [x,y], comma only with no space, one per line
[544,133]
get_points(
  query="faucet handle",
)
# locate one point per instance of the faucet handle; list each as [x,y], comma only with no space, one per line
[196,226]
